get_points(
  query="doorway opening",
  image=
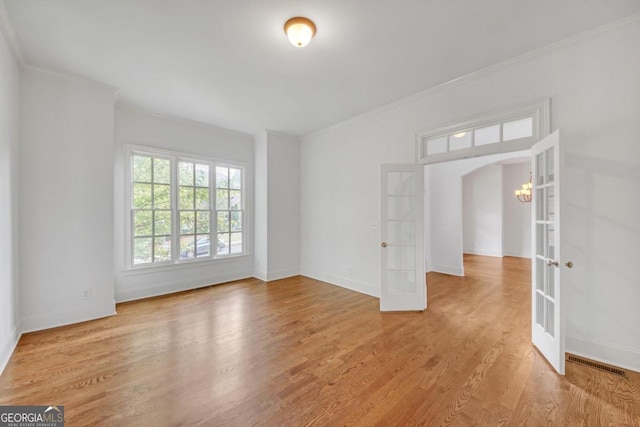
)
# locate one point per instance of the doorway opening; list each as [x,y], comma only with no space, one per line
[453,227]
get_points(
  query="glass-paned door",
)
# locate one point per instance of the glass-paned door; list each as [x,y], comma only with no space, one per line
[547,332]
[403,286]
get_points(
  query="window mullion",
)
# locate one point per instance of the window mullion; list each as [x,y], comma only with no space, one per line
[175,217]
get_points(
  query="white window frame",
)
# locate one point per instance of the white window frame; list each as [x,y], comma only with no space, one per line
[131,150]
[538,111]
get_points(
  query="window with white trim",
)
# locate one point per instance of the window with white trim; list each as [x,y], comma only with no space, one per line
[183,209]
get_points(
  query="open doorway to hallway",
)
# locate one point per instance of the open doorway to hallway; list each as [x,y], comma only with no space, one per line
[495,223]
[473,216]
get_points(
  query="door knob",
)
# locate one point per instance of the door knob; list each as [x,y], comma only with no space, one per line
[384,244]
[569,264]
[551,262]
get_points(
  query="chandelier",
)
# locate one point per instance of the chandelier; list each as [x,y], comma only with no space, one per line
[524,194]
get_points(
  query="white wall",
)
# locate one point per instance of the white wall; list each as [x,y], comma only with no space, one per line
[138,127]
[443,187]
[516,227]
[9,107]
[277,206]
[482,211]
[66,207]
[593,84]
[261,224]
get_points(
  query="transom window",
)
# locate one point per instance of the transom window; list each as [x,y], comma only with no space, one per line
[513,129]
[184,210]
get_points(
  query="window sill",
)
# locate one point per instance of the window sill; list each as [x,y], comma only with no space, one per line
[147,269]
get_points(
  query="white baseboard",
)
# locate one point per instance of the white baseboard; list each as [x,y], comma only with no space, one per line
[517,254]
[8,348]
[53,320]
[453,270]
[260,275]
[483,252]
[170,288]
[276,275]
[623,357]
[343,282]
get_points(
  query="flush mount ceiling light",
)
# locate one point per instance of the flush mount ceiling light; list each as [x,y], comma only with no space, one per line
[300,31]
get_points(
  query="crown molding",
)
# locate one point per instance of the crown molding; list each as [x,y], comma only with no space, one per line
[527,56]
[9,33]
[138,109]
[65,75]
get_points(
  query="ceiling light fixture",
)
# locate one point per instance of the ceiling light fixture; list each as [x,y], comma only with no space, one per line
[300,31]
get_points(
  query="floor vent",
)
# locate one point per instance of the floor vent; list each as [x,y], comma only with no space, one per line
[596,365]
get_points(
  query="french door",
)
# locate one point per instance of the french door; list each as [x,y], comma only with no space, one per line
[403,286]
[547,318]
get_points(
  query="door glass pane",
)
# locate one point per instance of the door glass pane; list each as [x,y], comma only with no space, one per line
[550,206]
[540,216]
[540,309]
[394,183]
[517,129]
[401,282]
[539,169]
[550,241]
[400,207]
[540,271]
[459,140]
[550,306]
[437,145]
[486,135]
[408,184]
[540,240]
[400,258]
[551,284]
[400,232]
[549,165]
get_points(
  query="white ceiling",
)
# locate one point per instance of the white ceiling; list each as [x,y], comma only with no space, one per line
[228,62]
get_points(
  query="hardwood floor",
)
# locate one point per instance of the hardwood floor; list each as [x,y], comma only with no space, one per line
[302,352]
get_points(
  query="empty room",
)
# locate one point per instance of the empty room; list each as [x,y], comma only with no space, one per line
[291,213]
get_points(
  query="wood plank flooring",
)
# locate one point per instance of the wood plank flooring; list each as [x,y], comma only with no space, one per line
[302,352]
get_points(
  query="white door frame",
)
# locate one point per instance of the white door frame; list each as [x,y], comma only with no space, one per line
[560,364]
